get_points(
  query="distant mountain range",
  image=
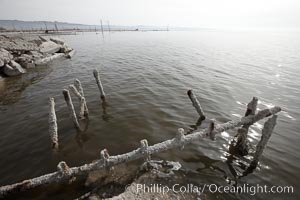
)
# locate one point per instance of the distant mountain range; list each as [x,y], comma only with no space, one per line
[42,25]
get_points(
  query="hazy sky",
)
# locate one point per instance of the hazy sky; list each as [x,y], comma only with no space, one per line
[184,13]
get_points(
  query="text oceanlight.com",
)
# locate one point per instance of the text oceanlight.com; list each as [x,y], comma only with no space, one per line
[213,188]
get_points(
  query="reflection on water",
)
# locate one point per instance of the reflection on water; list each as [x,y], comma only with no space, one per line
[105,116]
[11,88]
[146,76]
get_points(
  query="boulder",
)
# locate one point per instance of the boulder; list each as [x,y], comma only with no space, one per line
[36,55]
[49,47]
[23,57]
[57,41]
[38,42]
[17,44]
[43,39]
[13,69]
[26,61]
[5,57]
[65,49]
[70,54]
[29,65]
[44,61]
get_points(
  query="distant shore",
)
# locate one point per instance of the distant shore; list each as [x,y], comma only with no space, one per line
[74,31]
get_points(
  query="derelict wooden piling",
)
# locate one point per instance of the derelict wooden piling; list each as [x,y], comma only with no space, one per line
[83,107]
[242,143]
[196,104]
[53,123]
[101,28]
[78,86]
[97,77]
[265,136]
[64,173]
[69,102]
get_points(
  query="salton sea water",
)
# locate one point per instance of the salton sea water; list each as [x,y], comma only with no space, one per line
[146,76]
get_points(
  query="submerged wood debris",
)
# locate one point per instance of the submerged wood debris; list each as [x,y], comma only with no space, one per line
[21,52]
[209,129]
[53,123]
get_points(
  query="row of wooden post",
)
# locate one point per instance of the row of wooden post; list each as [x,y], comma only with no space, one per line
[242,133]
[77,90]
[65,173]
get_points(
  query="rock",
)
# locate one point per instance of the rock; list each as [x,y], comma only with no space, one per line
[13,69]
[43,39]
[70,54]
[124,183]
[23,58]
[29,65]
[37,42]
[23,51]
[5,57]
[26,61]
[57,41]
[49,47]
[17,44]
[65,49]
[36,55]
[46,60]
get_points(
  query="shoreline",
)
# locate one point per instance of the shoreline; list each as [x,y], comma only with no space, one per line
[20,52]
[74,31]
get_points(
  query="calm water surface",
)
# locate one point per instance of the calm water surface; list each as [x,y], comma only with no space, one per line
[146,76]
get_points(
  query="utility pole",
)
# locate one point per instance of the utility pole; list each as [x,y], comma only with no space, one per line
[101,27]
[46,31]
[108,26]
[56,27]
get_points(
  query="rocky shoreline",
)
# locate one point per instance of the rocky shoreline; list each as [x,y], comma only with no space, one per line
[21,52]
[147,181]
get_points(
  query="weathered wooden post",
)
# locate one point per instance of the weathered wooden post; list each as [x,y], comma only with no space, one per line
[70,54]
[210,129]
[179,140]
[251,107]
[265,136]
[104,158]
[144,150]
[102,28]
[242,143]
[69,102]
[78,86]
[196,104]
[97,77]
[83,107]
[63,169]
[53,123]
